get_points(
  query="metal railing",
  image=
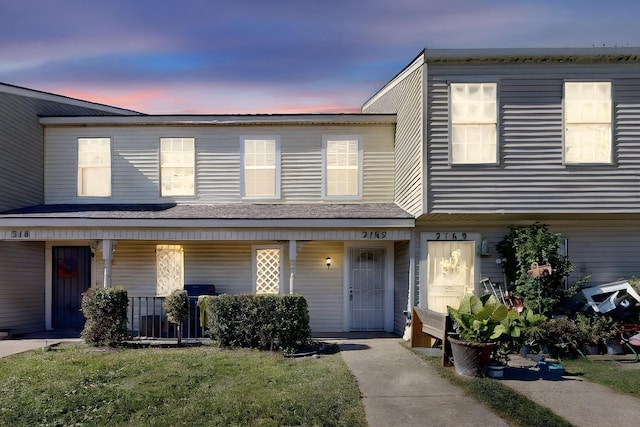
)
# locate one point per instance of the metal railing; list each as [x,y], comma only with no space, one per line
[147,319]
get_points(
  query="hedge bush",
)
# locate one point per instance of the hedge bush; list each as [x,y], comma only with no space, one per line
[105,311]
[259,321]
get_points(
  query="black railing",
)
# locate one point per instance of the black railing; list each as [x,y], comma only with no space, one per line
[147,319]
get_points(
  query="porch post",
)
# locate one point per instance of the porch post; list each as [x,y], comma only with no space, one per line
[293,249]
[108,247]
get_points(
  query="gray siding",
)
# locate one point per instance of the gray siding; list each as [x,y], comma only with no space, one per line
[531,176]
[405,99]
[135,162]
[22,287]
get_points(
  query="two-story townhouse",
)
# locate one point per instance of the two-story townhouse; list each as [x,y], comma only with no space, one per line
[249,204]
[489,138]
[21,185]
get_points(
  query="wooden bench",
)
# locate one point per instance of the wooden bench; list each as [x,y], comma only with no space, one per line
[430,328]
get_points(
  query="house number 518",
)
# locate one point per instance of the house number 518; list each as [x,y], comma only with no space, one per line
[18,234]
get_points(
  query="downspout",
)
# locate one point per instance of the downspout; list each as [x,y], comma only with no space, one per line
[293,251]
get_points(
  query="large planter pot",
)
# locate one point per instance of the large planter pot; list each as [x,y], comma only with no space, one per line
[471,359]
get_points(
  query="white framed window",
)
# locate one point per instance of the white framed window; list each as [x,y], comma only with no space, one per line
[177,166]
[474,112]
[587,122]
[267,269]
[260,166]
[169,269]
[94,167]
[342,166]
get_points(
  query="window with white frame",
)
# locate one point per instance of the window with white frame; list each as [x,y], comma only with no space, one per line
[473,109]
[267,269]
[94,167]
[587,122]
[343,166]
[260,166]
[177,166]
[169,269]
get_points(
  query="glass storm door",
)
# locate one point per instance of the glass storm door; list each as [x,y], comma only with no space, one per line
[450,273]
[367,289]
[71,277]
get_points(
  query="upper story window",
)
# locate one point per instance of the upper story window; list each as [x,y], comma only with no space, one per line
[343,166]
[260,167]
[587,122]
[177,166]
[474,123]
[94,167]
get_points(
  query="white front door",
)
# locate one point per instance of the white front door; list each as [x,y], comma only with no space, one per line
[367,289]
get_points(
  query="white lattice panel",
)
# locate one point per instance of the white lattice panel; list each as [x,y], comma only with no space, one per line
[267,271]
[169,265]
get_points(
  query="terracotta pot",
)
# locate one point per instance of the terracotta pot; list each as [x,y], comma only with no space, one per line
[471,359]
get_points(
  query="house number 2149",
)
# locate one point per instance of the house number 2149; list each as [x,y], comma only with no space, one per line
[451,236]
[373,234]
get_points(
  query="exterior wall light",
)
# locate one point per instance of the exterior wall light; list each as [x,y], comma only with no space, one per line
[328,261]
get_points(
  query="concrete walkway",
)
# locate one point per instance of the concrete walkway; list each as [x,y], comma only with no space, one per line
[400,389]
[580,402]
[30,342]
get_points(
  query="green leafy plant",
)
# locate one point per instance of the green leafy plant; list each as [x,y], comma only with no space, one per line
[525,245]
[105,311]
[483,319]
[176,304]
[595,330]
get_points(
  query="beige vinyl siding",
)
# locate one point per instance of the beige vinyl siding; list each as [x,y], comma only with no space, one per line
[531,176]
[322,287]
[21,141]
[406,100]
[22,287]
[228,265]
[135,169]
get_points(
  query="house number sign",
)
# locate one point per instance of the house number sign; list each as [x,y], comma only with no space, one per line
[372,235]
[20,234]
[451,236]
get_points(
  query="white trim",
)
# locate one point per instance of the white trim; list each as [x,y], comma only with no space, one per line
[325,139]
[221,120]
[388,286]
[447,236]
[417,63]
[193,167]
[243,139]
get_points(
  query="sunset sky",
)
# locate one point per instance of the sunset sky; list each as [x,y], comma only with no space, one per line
[270,56]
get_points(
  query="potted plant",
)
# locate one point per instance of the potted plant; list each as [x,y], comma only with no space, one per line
[533,333]
[479,324]
[595,332]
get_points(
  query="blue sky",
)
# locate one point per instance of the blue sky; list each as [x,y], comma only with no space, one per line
[271,56]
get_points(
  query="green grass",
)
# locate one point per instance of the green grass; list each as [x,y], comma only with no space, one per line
[510,405]
[618,375]
[81,385]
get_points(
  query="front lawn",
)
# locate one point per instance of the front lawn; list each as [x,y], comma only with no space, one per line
[82,385]
[618,375]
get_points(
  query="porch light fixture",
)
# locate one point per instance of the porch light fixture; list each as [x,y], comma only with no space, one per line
[328,261]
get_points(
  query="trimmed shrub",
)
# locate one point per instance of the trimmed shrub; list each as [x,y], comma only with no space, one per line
[176,304]
[105,311]
[259,321]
